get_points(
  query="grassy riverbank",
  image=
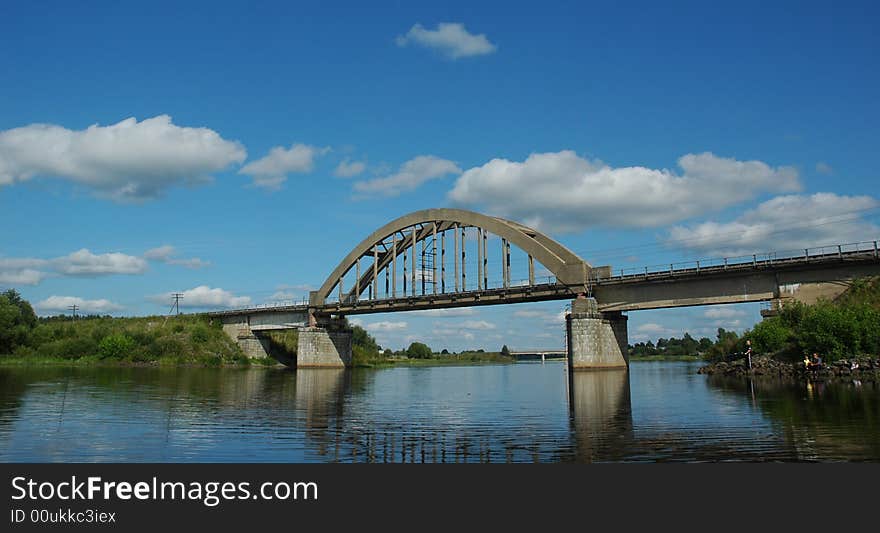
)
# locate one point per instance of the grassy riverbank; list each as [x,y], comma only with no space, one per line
[155,340]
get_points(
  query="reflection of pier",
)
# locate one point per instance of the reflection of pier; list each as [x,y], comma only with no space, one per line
[538,355]
[601,414]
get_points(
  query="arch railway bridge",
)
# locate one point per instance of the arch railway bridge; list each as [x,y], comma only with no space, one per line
[419,261]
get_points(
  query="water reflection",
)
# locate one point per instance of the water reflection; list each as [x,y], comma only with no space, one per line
[509,413]
[601,414]
[817,420]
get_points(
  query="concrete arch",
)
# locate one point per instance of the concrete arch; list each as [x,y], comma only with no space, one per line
[566,266]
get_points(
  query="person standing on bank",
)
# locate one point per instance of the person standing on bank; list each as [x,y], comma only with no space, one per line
[749,353]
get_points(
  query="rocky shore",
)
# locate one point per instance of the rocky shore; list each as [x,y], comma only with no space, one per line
[868,369]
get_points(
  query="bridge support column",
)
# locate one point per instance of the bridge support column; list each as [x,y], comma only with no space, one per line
[596,340]
[239,330]
[326,345]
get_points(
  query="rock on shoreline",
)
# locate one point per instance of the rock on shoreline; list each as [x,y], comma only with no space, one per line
[869,368]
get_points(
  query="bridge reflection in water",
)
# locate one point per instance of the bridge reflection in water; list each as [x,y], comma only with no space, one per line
[600,420]
[601,414]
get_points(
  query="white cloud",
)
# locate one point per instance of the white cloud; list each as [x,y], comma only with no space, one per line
[64,303]
[126,161]
[723,312]
[477,324]
[31,271]
[162,253]
[411,175]
[824,168]
[529,313]
[790,222]
[271,171]
[651,328]
[165,254]
[450,39]
[85,263]
[449,312]
[652,331]
[349,169]
[561,191]
[22,271]
[385,326]
[205,297]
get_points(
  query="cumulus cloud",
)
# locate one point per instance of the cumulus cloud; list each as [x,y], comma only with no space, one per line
[83,262]
[561,191]
[449,312]
[450,39]
[22,271]
[723,312]
[166,254]
[651,331]
[349,169]
[477,325]
[129,161]
[204,296]
[271,171]
[824,168]
[410,176]
[385,326]
[64,304]
[529,313]
[789,222]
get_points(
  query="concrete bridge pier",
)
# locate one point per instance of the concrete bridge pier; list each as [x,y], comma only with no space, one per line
[326,345]
[596,340]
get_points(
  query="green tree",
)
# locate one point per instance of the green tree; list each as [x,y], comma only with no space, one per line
[770,335]
[505,351]
[17,319]
[360,337]
[418,350]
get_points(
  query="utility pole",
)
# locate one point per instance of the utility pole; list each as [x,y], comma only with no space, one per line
[73,308]
[176,296]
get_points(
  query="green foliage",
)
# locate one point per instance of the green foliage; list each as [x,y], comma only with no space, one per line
[17,319]
[418,350]
[200,333]
[770,335]
[360,337]
[116,346]
[505,351]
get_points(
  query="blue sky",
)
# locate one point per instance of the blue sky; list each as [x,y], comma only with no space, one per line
[239,151]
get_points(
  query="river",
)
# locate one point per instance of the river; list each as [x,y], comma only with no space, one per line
[658,411]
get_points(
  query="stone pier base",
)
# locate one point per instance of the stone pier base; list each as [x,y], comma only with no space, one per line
[324,346]
[596,340]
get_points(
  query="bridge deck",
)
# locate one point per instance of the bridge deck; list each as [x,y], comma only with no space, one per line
[693,271]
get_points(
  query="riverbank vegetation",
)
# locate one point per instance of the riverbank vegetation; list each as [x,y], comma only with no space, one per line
[843,329]
[176,340]
[845,333]
[366,352]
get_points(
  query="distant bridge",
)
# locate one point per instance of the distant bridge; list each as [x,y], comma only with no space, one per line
[597,328]
[538,355]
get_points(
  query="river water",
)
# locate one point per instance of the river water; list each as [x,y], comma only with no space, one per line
[658,411]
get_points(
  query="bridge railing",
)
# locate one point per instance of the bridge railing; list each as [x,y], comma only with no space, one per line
[757,259]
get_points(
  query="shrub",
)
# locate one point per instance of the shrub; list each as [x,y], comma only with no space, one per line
[200,333]
[116,346]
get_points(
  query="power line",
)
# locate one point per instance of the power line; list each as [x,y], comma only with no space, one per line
[73,308]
